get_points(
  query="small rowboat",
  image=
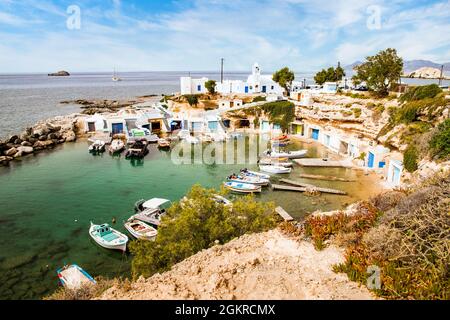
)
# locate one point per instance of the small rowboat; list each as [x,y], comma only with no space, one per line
[249,173]
[116,146]
[107,237]
[97,147]
[163,144]
[275,169]
[288,154]
[74,277]
[242,187]
[257,181]
[141,230]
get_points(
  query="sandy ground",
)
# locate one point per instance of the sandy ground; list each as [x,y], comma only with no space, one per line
[262,266]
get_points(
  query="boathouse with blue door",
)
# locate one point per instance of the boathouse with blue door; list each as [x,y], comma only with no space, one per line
[315,134]
[395,172]
[117,128]
[371,160]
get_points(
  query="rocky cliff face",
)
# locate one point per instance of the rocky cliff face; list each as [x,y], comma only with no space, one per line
[426,73]
[264,266]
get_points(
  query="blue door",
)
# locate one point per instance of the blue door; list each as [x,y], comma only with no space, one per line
[246,89]
[213,125]
[199,88]
[117,128]
[264,89]
[371,160]
[315,134]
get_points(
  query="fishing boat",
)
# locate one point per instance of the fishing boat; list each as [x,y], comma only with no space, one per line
[282,162]
[163,144]
[74,277]
[287,154]
[137,150]
[115,77]
[280,144]
[116,146]
[275,169]
[107,237]
[153,138]
[257,181]
[242,187]
[97,147]
[249,173]
[151,211]
[140,230]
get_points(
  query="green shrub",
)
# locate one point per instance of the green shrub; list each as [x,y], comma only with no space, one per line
[410,158]
[356,112]
[198,223]
[440,142]
[280,112]
[210,85]
[259,99]
[420,92]
[192,99]
[408,113]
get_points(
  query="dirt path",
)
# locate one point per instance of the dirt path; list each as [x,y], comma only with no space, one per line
[262,266]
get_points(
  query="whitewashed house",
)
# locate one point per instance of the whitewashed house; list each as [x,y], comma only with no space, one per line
[256,84]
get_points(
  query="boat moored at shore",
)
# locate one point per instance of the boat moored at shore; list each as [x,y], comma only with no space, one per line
[239,187]
[74,277]
[275,169]
[151,211]
[107,237]
[140,230]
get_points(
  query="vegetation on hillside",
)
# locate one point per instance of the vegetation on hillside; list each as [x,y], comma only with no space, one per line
[192,99]
[210,85]
[329,75]
[380,72]
[404,233]
[195,224]
[284,78]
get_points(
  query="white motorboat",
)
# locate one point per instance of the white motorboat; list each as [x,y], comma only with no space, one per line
[287,154]
[141,230]
[257,181]
[116,146]
[281,162]
[242,187]
[97,147]
[275,169]
[249,173]
[151,211]
[107,237]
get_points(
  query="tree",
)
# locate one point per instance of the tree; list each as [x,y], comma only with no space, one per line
[329,75]
[284,78]
[210,85]
[196,223]
[192,99]
[380,72]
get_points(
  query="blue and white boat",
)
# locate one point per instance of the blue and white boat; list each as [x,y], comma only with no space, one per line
[74,277]
[242,187]
[249,173]
[107,237]
[258,181]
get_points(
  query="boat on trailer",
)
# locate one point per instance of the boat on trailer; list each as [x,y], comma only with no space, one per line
[151,211]
[74,277]
[116,146]
[242,187]
[107,237]
[140,230]
[275,169]
[97,147]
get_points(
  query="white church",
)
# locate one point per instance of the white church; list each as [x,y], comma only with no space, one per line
[256,84]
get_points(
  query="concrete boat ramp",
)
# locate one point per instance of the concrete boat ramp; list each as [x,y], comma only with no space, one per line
[303,187]
[319,162]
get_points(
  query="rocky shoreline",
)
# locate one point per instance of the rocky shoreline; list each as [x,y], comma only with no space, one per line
[42,136]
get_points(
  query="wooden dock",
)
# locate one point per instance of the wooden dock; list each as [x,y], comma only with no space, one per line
[325,178]
[316,162]
[303,187]
[286,216]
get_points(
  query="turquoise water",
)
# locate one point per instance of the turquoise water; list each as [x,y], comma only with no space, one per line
[48,200]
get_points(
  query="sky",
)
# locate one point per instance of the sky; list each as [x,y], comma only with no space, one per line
[178,35]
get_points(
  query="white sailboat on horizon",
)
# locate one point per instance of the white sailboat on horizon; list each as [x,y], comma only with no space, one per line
[115,78]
